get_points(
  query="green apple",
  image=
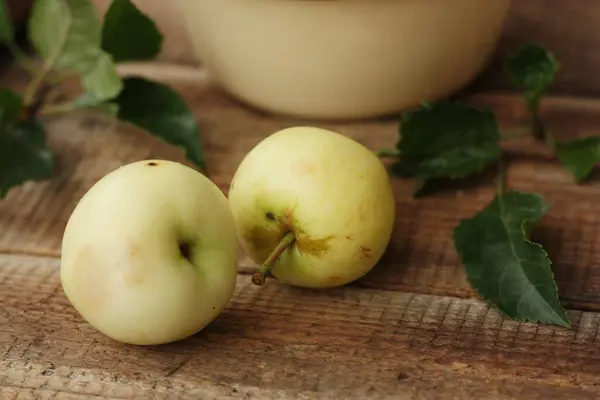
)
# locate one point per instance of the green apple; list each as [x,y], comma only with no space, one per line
[149,254]
[314,207]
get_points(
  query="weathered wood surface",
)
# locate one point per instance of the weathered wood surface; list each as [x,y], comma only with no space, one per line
[276,340]
[411,329]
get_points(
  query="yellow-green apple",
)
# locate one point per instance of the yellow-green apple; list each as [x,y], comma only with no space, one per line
[313,206]
[149,254]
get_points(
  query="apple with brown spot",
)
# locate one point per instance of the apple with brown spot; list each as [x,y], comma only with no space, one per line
[149,254]
[313,207]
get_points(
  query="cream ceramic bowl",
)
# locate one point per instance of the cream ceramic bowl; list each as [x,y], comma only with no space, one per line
[342,59]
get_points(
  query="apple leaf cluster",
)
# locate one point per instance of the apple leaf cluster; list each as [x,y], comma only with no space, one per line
[72,42]
[533,69]
[446,139]
[450,139]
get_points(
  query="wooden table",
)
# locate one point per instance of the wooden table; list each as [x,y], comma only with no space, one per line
[411,329]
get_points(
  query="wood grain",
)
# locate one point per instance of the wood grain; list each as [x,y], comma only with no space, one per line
[280,342]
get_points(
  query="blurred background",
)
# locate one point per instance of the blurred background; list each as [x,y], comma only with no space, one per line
[570,29]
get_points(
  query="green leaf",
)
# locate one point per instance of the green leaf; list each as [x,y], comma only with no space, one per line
[532,68]
[67,34]
[162,112]
[87,100]
[446,140]
[10,107]
[7,30]
[128,34]
[580,156]
[504,266]
[107,107]
[23,155]
[103,82]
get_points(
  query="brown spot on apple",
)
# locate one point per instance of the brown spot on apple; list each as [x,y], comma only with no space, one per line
[134,272]
[302,167]
[133,269]
[130,269]
[349,238]
[334,279]
[365,252]
[152,164]
[314,247]
[88,280]
[286,220]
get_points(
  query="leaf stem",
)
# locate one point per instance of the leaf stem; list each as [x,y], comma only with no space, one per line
[32,92]
[58,108]
[501,176]
[388,152]
[31,110]
[540,132]
[21,57]
[516,133]
[259,277]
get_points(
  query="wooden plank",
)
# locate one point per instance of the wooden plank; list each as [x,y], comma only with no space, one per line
[280,342]
[420,258]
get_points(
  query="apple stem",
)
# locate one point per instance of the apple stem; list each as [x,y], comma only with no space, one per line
[259,277]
